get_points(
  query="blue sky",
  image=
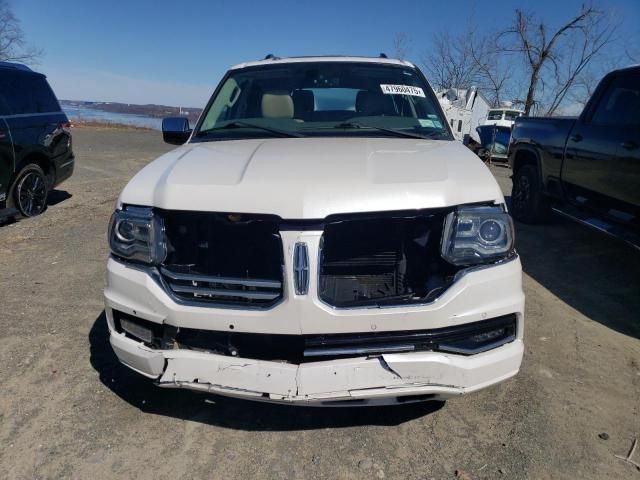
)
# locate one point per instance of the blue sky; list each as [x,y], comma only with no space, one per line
[175,52]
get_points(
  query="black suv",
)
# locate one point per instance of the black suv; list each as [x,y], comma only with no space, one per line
[35,141]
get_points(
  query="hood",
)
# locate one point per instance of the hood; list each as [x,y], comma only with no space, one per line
[310,178]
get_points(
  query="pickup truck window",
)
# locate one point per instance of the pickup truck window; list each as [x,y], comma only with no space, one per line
[620,103]
[324,98]
[4,106]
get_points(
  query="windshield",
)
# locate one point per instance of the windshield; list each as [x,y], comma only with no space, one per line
[511,114]
[323,98]
[494,115]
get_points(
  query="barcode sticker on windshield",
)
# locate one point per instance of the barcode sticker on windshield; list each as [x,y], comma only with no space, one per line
[402,90]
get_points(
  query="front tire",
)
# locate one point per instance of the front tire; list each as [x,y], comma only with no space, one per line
[528,202]
[30,191]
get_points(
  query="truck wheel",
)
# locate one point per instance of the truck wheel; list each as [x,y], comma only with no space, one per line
[528,203]
[30,191]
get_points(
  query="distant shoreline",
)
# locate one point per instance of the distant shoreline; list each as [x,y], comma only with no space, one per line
[150,110]
[80,123]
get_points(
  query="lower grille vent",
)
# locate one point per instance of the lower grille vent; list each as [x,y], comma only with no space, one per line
[466,339]
[222,289]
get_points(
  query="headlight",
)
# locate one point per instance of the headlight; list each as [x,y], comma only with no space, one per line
[474,235]
[135,233]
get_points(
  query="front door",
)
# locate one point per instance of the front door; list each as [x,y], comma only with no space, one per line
[589,158]
[625,174]
[602,162]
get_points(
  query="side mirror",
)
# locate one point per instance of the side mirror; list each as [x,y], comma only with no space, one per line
[175,130]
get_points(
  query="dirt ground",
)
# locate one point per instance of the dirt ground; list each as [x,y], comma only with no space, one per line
[69,410]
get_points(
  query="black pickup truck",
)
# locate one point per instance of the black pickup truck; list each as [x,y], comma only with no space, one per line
[585,168]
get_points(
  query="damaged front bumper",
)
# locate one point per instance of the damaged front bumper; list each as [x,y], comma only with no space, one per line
[478,295]
[384,378]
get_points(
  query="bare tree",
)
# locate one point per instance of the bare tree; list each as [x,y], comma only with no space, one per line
[588,78]
[449,62]
[401,45]
[584,86]
[13,46]
[468,60]
[557,70]
[492,72]
[592,40]
[565,52]
[632,53]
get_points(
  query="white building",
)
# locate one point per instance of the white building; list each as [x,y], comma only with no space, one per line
[465,109]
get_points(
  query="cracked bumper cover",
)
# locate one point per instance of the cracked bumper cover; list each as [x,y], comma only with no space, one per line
[478,295]
[390,375]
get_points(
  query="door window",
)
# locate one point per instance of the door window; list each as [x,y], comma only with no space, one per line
[4,106]
[620,104]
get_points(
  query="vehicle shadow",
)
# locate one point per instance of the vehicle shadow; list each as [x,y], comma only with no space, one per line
[595,274]
[57,196]
[141,393]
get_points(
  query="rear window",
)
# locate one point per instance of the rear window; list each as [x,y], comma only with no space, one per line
[26,93]
[328,99]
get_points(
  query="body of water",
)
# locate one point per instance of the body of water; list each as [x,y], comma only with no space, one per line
[83,112]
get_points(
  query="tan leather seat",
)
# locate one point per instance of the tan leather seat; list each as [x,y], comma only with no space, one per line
[277,104]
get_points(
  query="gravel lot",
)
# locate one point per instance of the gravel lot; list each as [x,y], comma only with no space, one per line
[69,410]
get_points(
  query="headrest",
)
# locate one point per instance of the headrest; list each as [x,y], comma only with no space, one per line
[303,101]
[277,104]
[373,103]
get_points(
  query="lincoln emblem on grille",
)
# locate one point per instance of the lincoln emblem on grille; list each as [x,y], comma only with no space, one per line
[301,268]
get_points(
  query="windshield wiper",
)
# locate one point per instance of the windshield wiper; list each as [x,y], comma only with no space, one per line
[393,131]
[241,124]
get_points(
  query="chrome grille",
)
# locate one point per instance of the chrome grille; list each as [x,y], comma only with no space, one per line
[205,288]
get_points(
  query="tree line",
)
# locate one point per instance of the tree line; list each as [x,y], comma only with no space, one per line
[543,69]
[13,45]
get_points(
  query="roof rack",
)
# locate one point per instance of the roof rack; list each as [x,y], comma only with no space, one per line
[16,66]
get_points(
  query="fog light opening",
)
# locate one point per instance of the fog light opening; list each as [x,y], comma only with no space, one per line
[135,330]
[488,336]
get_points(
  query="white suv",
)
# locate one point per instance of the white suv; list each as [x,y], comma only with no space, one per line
[319,239]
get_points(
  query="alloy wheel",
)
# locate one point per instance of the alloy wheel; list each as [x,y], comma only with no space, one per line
[31,194]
